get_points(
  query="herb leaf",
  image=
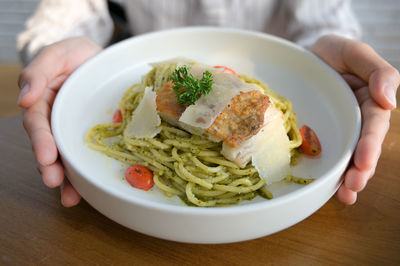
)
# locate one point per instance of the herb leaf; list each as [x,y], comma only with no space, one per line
[189,89]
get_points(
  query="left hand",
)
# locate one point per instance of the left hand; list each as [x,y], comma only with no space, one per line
[374,82]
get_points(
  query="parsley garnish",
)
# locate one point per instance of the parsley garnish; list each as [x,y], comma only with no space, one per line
[189,89]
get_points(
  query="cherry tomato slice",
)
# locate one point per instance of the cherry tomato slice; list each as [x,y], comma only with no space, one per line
[117,117]
[227,70]
[311,145]
[139,176]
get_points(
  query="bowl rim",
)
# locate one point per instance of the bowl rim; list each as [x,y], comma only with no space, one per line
[183,209]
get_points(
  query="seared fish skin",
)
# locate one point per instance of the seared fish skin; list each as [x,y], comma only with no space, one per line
[167,103]
[241,119]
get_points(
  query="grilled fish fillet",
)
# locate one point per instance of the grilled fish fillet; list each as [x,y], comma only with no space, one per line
[239,121]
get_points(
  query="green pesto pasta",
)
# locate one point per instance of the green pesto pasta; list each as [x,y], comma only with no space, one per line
[185,165]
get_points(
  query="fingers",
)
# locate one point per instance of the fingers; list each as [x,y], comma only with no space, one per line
[346,195]
[37,125]
[359,59]
[368,150]
[53,174]
[375,126]
[367,153]
[356,180]
[69,196]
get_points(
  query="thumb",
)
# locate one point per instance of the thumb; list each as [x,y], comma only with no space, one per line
[357,58]
[52,66]
[38,75]
[383,84]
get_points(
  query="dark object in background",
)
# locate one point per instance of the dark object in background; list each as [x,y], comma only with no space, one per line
[121,26]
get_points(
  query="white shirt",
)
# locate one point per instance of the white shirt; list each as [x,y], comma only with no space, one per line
[301,21]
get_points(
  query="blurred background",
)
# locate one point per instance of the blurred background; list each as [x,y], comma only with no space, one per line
[379,20]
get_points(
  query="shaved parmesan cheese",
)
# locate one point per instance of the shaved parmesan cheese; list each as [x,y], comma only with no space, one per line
[272,158]
[269,149]
[145,122]
[206,109]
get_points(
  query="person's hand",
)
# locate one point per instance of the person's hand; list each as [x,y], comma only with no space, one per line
[374,82]
[39,83]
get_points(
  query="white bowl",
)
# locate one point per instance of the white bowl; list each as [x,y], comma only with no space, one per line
[319,95]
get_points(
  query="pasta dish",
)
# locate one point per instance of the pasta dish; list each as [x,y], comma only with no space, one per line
[203,133]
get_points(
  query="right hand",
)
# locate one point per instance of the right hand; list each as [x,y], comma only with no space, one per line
[39,82]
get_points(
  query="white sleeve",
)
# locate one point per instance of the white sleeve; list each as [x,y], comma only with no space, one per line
[55,20]
[311,19]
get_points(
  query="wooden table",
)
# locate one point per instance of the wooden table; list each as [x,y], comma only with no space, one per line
[36,229]
[9,89]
